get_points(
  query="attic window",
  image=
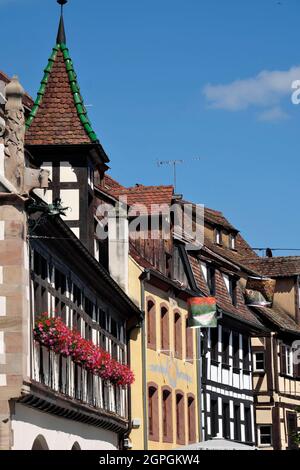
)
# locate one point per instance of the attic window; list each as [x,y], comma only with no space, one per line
[232,241]
[230,283]
[218,236]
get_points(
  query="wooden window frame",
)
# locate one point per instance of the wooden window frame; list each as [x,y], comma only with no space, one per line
[189,342]
[164,329]
[180,417]
[259,426]
[177,334]
[226,419]
[153,434]
[214,417]
[225,346]
[191,414]
[167,414]
[151,323]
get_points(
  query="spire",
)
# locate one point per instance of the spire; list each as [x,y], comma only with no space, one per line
[59,115]
[61,34]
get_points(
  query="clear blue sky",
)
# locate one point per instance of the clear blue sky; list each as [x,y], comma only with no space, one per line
[152,71]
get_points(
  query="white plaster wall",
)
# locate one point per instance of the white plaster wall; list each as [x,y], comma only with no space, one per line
[70,198]
[67,174]
[59,433]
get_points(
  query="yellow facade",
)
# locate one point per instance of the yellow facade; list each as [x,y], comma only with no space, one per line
[162,368]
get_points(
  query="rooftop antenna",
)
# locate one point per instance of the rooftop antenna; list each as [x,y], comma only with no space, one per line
[173,163]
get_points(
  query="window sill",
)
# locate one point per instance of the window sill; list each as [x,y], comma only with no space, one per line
[246,371]
[259,372]
[226,366]
[214,362]
[236,370]
[168,440]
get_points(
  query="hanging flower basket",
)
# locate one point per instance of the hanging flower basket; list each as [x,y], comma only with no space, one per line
[54,334]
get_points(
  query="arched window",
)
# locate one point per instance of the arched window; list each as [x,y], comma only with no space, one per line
[192,418]
[40,443]
[153,421]
[180,418]
[164,330]
[151,325]
[189,343]
[76,446]
[167,412]
[177,335]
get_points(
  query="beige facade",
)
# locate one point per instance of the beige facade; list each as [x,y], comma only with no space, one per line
[163,372]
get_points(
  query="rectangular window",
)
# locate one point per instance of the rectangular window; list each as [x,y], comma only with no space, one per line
[248,425]
[204,270]
[264,435]
[214,417]
[225,346]
[289,361]
[231,286]
[246,361]
[226,420]
[286,360]
[259,361]
[214,343]
[211,281]
[218,236]
[236,350]
[208,272]
[232,240]
[237,422]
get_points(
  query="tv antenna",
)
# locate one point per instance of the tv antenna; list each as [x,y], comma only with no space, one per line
[174,163]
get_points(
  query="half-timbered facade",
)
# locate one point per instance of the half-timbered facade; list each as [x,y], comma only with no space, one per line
[276,365]
[227,398]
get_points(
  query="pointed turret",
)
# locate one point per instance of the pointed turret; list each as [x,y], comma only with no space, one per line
[58,115]
[60,139]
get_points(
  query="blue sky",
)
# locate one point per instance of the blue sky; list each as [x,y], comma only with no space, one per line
[179,79]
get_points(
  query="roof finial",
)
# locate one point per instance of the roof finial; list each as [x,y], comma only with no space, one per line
[61,35]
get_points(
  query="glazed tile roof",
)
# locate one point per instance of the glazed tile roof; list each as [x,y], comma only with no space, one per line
[278,266]
[58,115]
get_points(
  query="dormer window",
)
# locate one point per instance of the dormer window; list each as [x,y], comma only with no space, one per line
[208,272]
[230,283]
[218,236]
[232,241]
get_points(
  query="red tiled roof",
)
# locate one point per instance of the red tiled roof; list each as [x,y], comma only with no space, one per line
[27,100]
[146,196]
[110,184]
[217,218]
[278,317]
[240,310]
[278,266]
[56,120]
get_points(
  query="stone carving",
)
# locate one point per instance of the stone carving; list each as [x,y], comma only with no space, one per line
[22,178]
[14,164]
